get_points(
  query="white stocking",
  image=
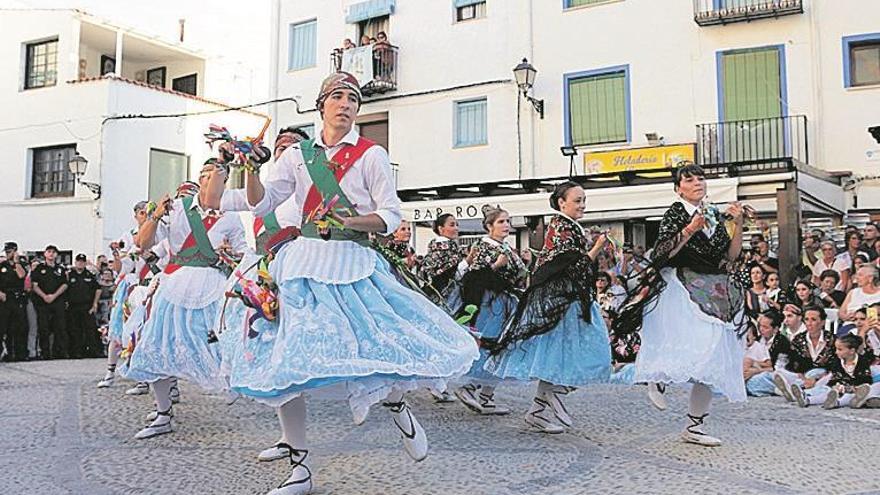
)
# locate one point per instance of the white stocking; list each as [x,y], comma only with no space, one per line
[292,416]
[161,393]
[701,398]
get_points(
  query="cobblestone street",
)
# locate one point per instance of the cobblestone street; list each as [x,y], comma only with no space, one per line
[61,435]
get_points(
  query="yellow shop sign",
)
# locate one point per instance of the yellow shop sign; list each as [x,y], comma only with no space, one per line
[637,159]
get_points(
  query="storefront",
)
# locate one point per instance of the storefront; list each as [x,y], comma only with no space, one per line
[629,191]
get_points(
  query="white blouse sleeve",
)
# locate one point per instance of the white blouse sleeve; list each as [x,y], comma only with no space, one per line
[377,171]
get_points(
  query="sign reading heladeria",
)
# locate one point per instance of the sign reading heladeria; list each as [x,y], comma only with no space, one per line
[637,159]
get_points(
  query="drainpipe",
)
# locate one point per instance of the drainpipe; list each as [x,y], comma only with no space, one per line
[532,126]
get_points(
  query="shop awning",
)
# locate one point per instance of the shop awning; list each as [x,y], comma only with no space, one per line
[612,203]
[369,9]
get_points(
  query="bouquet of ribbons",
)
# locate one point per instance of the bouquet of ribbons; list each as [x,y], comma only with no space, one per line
[322,216]
[260,295]
[240,149]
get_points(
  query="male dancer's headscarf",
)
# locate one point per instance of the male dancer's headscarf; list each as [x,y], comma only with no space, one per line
[336,81]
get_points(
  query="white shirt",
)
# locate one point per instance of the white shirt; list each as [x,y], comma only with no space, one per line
[838,265]
[368,184]
[815,351]
[758,351]
[287,213]
[176,229]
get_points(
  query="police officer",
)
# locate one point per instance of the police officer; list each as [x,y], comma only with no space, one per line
[49,282]
[13,319]
[83,293]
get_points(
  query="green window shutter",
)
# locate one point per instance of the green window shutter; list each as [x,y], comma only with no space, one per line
[598,109]
[752,84]
[167,171]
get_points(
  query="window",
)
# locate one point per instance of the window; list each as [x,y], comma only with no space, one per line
[41,64]
[470,123]
[466,10]
[186,84]
[51,176]
[372,27]
[751,83]
[597,106]
[167,170]
[580,3]
[303,45]
[861,60]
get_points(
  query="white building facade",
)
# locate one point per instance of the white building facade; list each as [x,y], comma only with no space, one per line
[778,91]
[78,85]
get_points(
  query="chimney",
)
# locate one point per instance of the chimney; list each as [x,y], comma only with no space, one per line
[182,27]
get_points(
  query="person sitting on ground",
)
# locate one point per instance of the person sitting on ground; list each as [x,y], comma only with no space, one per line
[792,323]
[811,353]
[850,375]
[769,353]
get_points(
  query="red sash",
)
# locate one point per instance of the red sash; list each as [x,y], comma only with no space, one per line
[190,242]
[144,271]
[349,154]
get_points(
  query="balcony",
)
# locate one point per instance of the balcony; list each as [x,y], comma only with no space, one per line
[714,12]
[754,145]
[376,64]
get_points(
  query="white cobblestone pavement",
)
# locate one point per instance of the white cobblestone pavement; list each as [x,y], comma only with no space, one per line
[61,435]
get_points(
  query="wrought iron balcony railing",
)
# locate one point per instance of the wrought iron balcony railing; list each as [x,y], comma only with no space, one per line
[712,12]
[383,66]
[754,144]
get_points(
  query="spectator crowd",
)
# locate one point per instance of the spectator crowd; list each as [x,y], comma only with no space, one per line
[52,311]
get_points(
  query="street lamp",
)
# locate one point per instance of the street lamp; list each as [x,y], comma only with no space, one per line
[570,152]
[525,79]
[78,166]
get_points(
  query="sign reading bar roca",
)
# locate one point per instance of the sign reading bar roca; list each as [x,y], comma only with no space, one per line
[637,159]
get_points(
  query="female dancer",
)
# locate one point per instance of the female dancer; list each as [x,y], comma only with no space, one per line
[690,303]
[345,325]
[557,335]
[444,262]
[494,279]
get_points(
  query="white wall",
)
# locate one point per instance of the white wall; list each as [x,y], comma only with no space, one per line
[673,77]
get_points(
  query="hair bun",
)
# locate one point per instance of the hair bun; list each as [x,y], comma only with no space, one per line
[487,209]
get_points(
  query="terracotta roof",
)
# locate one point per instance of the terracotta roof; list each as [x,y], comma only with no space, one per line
[112,77]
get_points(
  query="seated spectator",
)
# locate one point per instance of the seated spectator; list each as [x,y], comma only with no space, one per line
[830,297]
[764,257]
[811,355]
[867,292]
[775,297]
[792,323]
[830,261]
[847,373]
[852,248]
[858,261]
[810,250]
[870,236]
[868,328]
[770,352]
[804,295]
[757,300]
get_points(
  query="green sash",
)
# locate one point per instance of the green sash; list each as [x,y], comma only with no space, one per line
[325,181]
[270,228]
[197,249]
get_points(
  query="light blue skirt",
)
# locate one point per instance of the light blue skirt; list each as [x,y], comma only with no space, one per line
[495,311]
[117,320]
[174,343]
[359,338]
[574,353]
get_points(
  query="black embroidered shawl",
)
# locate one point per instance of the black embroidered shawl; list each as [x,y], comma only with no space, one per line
[563,275]
[702,255]
[440,264]
[800,360]
[481,277]
[860,375]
